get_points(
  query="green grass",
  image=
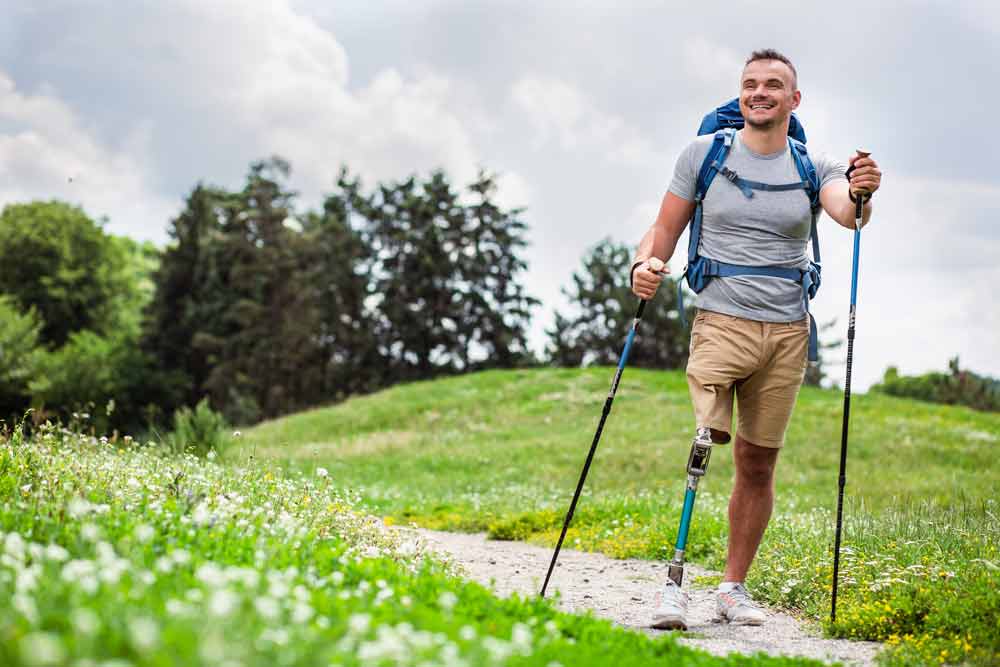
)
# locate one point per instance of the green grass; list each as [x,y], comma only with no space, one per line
[502,450]
[119,555]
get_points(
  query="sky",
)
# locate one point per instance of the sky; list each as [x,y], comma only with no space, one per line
[580,107]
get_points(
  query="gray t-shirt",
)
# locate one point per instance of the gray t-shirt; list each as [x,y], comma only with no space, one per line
[769,229]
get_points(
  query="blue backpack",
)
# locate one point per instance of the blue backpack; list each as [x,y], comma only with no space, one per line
[724,122]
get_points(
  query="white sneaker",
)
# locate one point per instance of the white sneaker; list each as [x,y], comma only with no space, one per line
[737,607]
[671,608]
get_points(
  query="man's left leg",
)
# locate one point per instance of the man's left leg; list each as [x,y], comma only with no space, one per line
[750,505]
[766,400]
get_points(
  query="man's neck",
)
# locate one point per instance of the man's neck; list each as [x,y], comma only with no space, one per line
[765,142]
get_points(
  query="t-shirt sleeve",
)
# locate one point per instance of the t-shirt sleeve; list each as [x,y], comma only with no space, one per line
[828,169]
[686,173]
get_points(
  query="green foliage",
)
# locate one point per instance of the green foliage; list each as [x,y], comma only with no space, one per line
[199,431]
[957,387]
[444,277]
[20,355]
[57,260]
[268,311]
[603,307]
[127,556]
[523,526]
[510,445]
[103,376]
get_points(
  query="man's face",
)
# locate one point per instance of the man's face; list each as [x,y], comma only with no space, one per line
[768,94]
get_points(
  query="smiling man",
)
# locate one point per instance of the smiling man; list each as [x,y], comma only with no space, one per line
[750,337]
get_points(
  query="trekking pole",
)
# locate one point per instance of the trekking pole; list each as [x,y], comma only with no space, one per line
[597,436]
[859,205]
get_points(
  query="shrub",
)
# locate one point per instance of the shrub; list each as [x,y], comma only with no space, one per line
[957,387]
[201,430]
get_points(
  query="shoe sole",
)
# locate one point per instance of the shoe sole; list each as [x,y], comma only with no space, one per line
[669,623]
[723,619]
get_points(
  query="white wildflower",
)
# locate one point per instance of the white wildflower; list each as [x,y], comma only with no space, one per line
[468,633]
[176,608]
[301,613]
[520,637]
[14,546]
[56,553]
[145,633]
[42,648]
[358,624]
[223,603]
[144,532]
[202,515]
[322,472]
[277,636]
[211,575]
[90,532]
[85,621]
[25,604]
[78,507]
[267,607]
[447,600]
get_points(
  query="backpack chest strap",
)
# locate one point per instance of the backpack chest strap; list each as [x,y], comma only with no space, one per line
[747,186]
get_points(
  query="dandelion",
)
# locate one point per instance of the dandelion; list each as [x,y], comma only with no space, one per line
[322,473]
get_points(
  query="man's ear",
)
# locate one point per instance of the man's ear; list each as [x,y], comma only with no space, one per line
[796,99]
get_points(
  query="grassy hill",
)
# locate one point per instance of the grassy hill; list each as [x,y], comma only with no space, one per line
[502,450]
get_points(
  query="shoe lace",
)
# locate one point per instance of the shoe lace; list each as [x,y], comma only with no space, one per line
[742,596]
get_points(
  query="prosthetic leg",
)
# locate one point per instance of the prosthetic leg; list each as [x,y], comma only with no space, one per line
[701,451]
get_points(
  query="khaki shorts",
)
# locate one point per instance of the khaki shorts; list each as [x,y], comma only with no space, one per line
[763,362]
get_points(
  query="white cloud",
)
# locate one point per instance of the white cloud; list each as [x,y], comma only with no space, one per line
[559,111]
[253,79]
[47,152]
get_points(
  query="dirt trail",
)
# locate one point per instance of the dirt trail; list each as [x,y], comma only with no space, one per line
[624,591]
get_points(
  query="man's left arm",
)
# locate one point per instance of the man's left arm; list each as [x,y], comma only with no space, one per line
[865,178]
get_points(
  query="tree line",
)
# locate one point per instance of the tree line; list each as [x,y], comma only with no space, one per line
[263,308]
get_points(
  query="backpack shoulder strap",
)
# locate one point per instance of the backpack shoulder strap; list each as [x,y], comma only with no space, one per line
[807,170]
[810,179]
[714,159]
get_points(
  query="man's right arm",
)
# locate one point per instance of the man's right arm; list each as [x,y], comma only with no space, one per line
[659,242]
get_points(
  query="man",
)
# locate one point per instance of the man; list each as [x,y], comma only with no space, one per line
[751,333]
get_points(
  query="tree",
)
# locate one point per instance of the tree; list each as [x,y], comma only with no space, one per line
[55,259]
[267,360]
[188,300]
[603,307]
[444,277]
[20,355]
[336,271]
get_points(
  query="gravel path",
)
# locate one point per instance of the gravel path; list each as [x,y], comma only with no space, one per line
[624,591]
